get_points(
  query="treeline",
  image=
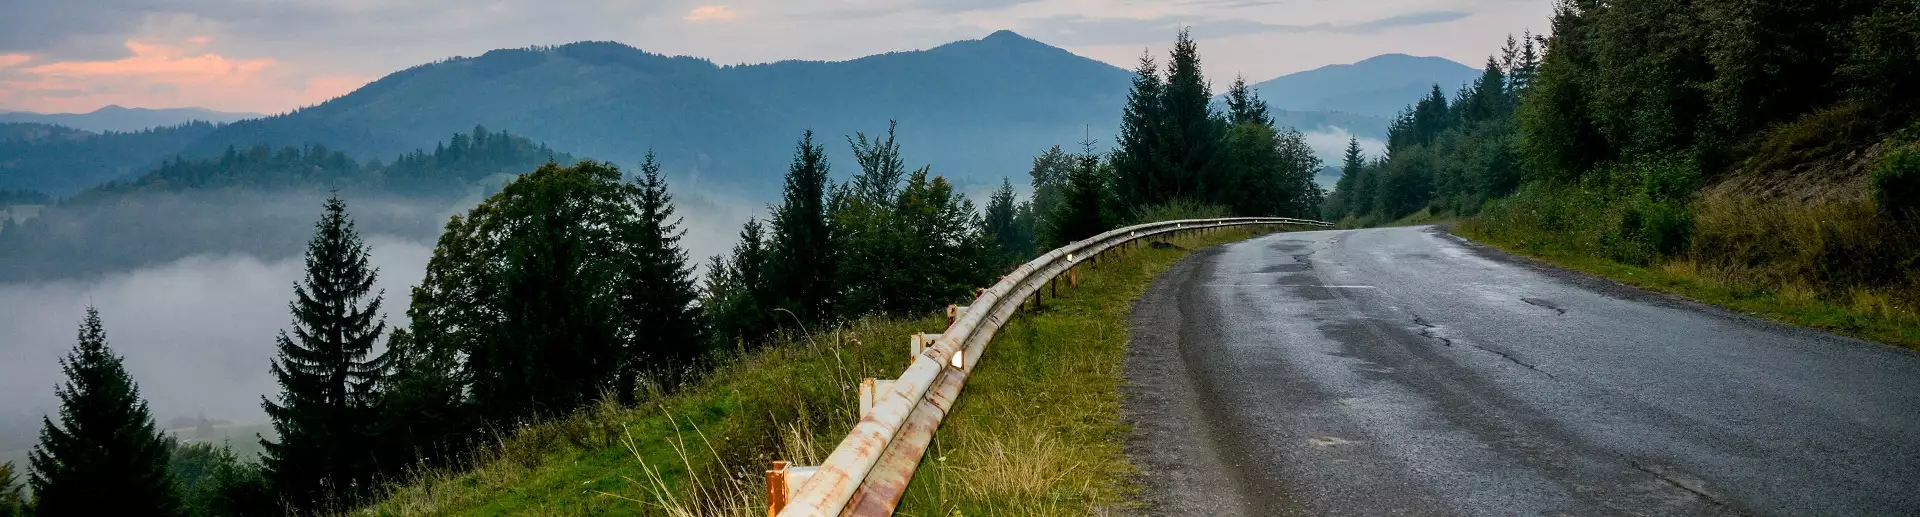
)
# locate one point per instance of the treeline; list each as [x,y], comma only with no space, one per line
[1444,156]
[452,168]
[1799,115]
[236,202]
[1178,154]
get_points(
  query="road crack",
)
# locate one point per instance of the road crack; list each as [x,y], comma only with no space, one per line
[1431,331]
[1536,302]
[1681,481]
[1427,330]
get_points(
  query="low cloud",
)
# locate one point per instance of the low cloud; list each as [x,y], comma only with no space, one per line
[197,334]
[166,74]
[708,13]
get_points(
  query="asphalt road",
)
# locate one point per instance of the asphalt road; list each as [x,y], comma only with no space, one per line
[1404,371]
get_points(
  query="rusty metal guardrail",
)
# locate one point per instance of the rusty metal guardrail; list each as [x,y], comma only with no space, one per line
[868,472]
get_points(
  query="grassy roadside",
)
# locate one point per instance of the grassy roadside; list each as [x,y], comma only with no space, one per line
[1740,281]
[700,451]
[1037,430]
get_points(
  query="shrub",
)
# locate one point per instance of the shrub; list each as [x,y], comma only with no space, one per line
[1896,184]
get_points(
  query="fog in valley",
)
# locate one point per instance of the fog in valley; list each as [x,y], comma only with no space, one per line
[198,332]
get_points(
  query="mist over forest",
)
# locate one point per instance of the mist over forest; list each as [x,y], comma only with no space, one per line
[198,332]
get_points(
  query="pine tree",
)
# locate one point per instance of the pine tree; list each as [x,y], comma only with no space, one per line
[1081,212]
[1191,132]
[11,500]
[658,294]
[327,371]
[1343,202]
[801,265]
[1244,105]
[1013,242]
[104,457]
[1139,166]
[739,300]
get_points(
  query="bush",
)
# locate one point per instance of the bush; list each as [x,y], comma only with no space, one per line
[1896,184]
[1179,209]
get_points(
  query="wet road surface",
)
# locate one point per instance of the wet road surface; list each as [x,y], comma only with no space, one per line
[1404,371]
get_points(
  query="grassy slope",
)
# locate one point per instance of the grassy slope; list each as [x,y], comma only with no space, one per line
[696,452]
[1037,430]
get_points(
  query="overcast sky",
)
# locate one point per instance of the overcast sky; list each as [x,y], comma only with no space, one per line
[274,55]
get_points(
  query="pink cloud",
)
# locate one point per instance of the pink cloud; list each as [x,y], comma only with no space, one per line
[708,13]
[167,75]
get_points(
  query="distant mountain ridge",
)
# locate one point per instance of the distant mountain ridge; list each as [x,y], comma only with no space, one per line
[972,108]
[976,110]
[1379,86]
[116,118]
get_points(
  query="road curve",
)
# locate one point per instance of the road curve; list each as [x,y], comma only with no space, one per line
[1403,371]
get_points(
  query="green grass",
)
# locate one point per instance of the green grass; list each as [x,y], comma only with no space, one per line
[700,451]
[1037,430]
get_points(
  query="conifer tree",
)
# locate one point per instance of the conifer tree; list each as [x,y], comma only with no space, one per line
[1138,163]
[328,372]
[1352,166]
[1049,176]
[1191,132]
[658,296]
[11,500]
[739,300]
[1082,209]
[104,457]
[800,264]
[1244,105]
[1012,242]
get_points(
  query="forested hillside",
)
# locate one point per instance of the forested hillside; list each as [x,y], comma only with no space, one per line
[1764,153]
[235,202]
[62,161]
[1375,87]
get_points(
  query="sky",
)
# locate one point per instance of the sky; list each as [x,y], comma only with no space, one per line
[271,56]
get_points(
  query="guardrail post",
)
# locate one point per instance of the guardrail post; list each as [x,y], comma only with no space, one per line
[1073,278]
[782,481]
[870,391]
[921,341]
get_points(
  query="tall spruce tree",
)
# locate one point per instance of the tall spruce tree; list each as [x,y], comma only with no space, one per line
[328,372]
[1191,132]
[658,294]
[800,264]
[104,457]
[1352,166]
[1140,168]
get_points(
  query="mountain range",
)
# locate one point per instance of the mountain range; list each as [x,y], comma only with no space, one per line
[116,118]
[1379,86]
[976,110]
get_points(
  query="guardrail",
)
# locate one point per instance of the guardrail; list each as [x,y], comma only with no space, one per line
[868,473]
